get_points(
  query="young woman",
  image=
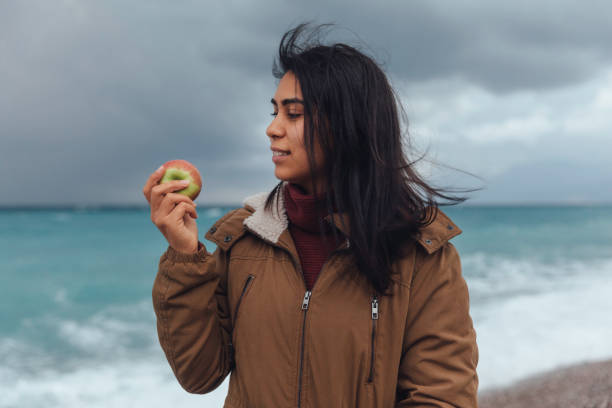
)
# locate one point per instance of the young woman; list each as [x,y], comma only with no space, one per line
[340,287]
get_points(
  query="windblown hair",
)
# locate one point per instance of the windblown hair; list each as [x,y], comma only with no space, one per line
[351,111]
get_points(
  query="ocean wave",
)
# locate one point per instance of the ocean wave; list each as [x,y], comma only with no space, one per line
[531,317]
[110,359]
[144,382]
[117,331]
[492,278]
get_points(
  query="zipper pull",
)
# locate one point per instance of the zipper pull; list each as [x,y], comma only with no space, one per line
[306,300]
[374,308]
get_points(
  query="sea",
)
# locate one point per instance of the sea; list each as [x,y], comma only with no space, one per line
[77,327]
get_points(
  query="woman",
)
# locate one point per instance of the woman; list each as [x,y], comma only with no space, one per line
[340,287]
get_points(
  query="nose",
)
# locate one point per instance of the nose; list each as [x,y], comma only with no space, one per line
[275,129]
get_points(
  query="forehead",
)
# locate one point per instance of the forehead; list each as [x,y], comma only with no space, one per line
[288,87]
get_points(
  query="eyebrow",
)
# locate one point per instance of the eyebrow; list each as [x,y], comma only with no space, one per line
[287,101]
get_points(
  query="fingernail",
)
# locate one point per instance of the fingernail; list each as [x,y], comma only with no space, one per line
[185,182]
[160,167]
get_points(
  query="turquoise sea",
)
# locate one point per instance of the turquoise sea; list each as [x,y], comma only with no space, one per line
[77,327]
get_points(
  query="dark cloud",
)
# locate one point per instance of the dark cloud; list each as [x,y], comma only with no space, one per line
[107,91]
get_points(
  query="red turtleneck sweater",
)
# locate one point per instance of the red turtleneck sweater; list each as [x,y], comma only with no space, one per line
[304,228]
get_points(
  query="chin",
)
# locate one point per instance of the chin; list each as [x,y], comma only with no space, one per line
[287,179]
[279,174]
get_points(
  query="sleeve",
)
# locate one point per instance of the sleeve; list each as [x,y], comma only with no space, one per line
[193,324]
[440,354]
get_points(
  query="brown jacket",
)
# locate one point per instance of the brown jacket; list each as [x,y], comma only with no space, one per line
[245,310]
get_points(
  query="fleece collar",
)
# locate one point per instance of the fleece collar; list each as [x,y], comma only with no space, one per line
[269,225]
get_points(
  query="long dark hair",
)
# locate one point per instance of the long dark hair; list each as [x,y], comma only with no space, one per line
[352,112]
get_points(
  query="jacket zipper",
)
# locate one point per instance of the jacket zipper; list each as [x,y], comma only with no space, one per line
[305,302]
[244,289]
[374,319]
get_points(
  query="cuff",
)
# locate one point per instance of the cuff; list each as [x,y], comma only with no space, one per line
[177,256]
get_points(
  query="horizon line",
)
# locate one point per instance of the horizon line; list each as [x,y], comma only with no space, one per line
[12,207]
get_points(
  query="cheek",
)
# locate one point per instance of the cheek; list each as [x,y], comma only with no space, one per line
[300,158]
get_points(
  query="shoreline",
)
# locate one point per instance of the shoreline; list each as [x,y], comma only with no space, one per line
[583,385]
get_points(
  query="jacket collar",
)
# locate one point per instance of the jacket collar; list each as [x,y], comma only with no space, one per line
[438,232]
[270,225]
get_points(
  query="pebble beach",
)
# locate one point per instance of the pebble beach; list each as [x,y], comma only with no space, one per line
[585,385]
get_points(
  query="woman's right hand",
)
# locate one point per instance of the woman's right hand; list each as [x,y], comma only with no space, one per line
[172,213]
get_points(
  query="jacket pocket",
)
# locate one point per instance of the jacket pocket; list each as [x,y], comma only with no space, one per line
[374,308]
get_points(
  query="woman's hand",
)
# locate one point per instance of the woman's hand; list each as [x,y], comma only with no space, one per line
[172,213]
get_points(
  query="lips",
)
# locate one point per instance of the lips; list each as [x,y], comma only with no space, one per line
[278,155]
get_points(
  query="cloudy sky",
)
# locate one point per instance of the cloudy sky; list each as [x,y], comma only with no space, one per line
[511,97]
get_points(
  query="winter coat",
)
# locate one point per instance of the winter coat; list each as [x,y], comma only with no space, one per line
[244,310]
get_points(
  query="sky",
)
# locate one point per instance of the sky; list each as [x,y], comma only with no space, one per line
[513,98]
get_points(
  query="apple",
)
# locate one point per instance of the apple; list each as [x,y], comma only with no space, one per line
[183,170]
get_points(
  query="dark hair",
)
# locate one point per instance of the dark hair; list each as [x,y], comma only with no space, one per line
[352,112]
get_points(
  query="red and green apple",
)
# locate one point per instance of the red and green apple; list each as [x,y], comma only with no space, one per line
[183,170]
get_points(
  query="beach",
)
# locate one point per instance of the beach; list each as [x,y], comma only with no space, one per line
[585,385]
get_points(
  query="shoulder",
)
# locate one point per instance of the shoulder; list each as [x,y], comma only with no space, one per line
[436,234]
[231,227]
[436,258]
[433,249]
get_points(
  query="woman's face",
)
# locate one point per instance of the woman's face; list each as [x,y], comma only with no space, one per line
[286,133]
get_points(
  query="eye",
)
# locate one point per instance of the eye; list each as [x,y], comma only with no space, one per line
[274,114]
[294,115]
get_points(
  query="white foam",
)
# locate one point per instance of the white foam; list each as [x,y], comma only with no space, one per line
[114,360]
[494,277]
[127,383]
[531,317]
[113,329]
[214,212]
